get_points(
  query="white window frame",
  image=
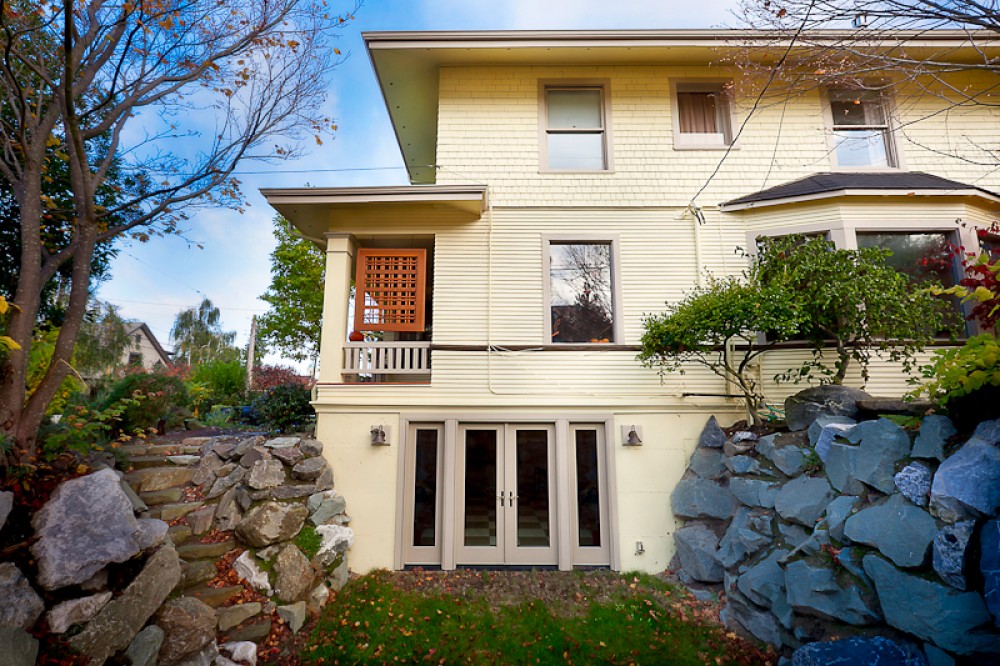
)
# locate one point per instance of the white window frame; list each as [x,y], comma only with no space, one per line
[725,108]
[894,160]
[601,85]
[616,288]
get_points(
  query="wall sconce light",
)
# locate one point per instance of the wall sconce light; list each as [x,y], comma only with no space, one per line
[379,436]
[632,435]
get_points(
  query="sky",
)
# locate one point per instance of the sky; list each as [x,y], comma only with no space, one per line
[153,281]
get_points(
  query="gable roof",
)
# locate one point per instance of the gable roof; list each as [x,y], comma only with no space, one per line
[858,183]
[133,327]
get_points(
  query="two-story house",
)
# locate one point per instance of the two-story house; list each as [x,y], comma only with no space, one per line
[478,395]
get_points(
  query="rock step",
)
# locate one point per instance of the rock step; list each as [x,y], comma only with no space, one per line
[201,551]
[161,496]
[214,596]
[179,534]
[145,462]
[160,478]
[198,571]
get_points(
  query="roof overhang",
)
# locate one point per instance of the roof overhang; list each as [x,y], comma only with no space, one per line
[990,200]
[316,210]
[407,63]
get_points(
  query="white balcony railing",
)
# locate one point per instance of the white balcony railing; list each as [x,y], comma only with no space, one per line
[387,358]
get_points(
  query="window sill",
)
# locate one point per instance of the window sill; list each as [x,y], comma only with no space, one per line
[576,171]
[706,146]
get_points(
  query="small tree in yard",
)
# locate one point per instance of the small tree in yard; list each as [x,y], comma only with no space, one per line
[716,327]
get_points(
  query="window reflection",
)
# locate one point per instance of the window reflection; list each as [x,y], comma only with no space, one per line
[581,292]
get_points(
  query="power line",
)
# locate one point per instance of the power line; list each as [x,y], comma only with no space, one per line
[146,263]
[185,306]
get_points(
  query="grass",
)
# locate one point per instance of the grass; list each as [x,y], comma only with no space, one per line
[309,541]
[521,618]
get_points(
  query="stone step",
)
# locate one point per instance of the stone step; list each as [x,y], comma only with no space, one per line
[170,511]
[197,572]
[159,478]
[255,631]
[213,596]
[161,497]
[145,462]
[179,534]
[201,551]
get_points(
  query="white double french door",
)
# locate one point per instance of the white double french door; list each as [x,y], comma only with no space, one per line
[505,508]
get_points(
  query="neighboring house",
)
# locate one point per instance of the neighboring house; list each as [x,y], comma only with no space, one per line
[145,349]
[550,209]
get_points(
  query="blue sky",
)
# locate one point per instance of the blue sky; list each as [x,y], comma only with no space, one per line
[153,281]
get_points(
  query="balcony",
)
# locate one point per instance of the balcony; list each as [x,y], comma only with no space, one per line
[380,362]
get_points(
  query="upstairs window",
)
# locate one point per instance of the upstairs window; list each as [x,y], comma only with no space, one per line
[575,129]
[861,129]
[390,290]
[581,292]
[703,117]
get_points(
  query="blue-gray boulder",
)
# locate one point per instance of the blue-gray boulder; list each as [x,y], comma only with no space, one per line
[742,465]
[882,445]
[989,564]
[818,590]
[932,611]
[712,435]
[795,535]
[788,458]
[19,647]
[803,500]
[702,498]
[698,550]
[764,584]
[935,430]
[902,532]
[707,463]
[841,464]
[858,651]
[936,656]
[754,492]
[837,513]
[825,430]
[987,432]
[950,553]
[914,482]
[968,483]
[749,531]
[761,623]
[805,406]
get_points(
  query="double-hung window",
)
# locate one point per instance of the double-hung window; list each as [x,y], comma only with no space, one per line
[703,115]
[581,291]
[861,136]
[575,129]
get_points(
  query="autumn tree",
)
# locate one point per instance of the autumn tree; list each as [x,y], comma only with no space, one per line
[182,91]
[198,337]
[293,323]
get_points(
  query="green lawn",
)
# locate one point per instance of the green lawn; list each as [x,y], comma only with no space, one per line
[468,617]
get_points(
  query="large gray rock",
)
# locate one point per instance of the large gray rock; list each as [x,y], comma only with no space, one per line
[270,523]
[707,463]
[837,513]
[914,482]
[113,628]
[805,406]
[209,465]
[293,574]
[968,483]
[743,465]
[950,553]
[230,616]
[803,500]
[247,568]
[145,647]
[858,651]
[787,457]
[749,532]
[882,445]
[311,447]
[935,430]
[818,590]
[334,541]
[901,531]
[987,432]
[309,469]
[989,565]
[87,524]
[764,584]
[266,474]
[760,623]
[21,605]
[754,492]
[931,611]
[701,498]
[712,435]
[328,509]
[697,550]
[6,506]
[294,615]
[841,469]
[188,627]
[282,442]
[75,611]
[19,647]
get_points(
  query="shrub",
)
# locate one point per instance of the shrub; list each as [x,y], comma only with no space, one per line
[224,383]
[965,380]
[268,376]
[164,397]
[83,429]
[284,408]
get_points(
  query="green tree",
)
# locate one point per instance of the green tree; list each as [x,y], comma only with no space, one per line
[198,337]
[294,321]
[103,341]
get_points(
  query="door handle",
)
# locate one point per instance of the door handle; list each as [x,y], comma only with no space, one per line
[512,498]
[501,496]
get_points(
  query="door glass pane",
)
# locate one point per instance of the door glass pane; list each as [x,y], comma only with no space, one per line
[480,488]
[576,150]
[574,109]
[425,489]
[588,497]
[580,287]
[532,488]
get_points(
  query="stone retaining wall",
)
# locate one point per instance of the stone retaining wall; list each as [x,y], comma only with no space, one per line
[846,528]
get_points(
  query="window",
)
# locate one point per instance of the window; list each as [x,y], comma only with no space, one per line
[390,290]
[861,129]
[703,116]
[581,292]
[575,129]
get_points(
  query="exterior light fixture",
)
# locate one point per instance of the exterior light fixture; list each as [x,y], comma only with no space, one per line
[378,436]
[631,436]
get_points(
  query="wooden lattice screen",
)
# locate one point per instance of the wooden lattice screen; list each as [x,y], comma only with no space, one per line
[389,290]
